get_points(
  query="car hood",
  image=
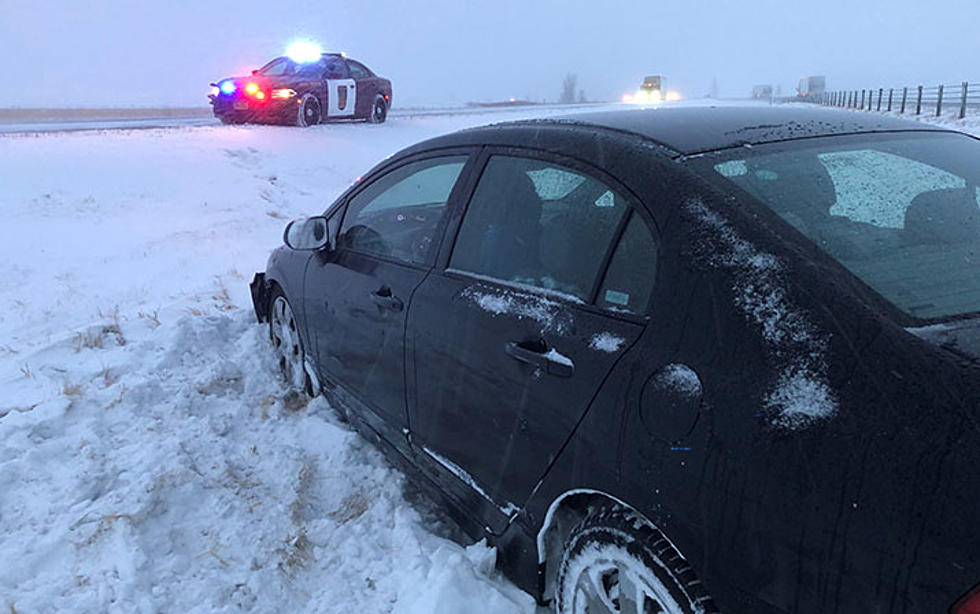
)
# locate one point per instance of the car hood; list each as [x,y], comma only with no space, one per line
[262,80]
[960,337]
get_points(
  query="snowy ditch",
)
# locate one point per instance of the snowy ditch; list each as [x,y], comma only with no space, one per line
[150,458]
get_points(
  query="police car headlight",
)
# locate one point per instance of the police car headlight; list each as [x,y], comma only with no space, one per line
[283,93]
[215,90]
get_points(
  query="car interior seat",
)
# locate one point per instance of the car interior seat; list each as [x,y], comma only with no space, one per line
[510,247]
[797,187]
[943,217]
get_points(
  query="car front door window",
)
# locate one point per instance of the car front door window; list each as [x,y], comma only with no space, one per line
[398,215]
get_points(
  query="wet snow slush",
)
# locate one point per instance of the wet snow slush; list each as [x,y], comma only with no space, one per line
[151,459]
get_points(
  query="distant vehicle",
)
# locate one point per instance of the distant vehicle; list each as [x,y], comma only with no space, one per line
[303,90]
[762,92]
[811,86]
[652,89]
[663,371]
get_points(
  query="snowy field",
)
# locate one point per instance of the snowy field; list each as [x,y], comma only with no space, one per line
[150,458]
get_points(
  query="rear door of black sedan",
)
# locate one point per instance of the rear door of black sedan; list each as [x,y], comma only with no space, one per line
[357,294]
[546,286]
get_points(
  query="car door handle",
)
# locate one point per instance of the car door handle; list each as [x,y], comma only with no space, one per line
[384,299]
[550,361]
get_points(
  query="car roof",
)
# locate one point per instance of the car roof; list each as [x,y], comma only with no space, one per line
[690,130]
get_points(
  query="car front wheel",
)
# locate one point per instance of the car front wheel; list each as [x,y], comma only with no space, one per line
[614,564]
[379,110]
[309,111]
[286,343]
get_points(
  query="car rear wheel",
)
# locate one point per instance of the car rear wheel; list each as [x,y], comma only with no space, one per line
[286,343]
[614,563]
[309,111]
[379,110]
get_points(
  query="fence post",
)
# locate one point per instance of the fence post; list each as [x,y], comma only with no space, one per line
[939,102]
[918,102]
[890,92]
[862,100]
[871,98]
[966,87]
[905,95]
[881,91]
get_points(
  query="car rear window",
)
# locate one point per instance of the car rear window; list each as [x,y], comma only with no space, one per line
[901,212]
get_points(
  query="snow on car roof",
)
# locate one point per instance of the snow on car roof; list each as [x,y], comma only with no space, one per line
[692,130]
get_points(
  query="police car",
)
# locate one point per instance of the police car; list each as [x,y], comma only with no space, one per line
[305,87]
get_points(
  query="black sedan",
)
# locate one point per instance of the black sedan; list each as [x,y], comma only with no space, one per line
[688,360]
[305,93]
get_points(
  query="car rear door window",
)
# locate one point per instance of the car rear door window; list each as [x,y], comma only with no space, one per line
[538,223]
[357,71]
[628,281]
[397,216]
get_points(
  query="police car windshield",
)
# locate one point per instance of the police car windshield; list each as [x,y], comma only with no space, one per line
[278,67]
[900,211]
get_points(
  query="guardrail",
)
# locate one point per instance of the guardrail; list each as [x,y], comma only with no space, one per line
[915,100]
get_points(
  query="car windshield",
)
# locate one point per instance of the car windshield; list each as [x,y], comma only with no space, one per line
[900,211]
[277,67]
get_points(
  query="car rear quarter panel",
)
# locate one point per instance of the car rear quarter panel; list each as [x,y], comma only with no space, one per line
[871,508]
[866,509]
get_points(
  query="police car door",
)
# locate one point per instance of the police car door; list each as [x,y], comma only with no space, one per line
[341,89]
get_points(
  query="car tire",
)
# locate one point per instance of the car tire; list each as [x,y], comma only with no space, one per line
[309,113]
[379,110]
[612,550]
[287,346]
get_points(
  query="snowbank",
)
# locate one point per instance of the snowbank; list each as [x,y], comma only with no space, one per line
[150,458]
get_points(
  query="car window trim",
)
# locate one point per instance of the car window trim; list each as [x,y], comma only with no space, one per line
[471,153]
[633,204]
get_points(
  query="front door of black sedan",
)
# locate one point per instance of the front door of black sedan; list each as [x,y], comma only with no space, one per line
[358,294]
[511,342]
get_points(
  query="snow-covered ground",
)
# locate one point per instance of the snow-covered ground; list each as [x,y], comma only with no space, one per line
[150,458]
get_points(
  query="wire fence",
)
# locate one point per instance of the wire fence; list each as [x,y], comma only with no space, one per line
[918,100]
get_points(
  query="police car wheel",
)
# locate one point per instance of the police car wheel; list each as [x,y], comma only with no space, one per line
[379,110]
[309,111]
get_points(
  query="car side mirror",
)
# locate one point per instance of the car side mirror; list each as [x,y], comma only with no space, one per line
[307,233]
[255,71]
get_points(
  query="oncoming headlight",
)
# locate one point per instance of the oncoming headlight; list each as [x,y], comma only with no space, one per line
[283,93]
[215,90]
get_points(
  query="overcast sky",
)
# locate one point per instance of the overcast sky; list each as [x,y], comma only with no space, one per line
[140,53]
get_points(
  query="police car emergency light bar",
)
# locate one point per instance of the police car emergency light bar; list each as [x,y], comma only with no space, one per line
[304,51]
